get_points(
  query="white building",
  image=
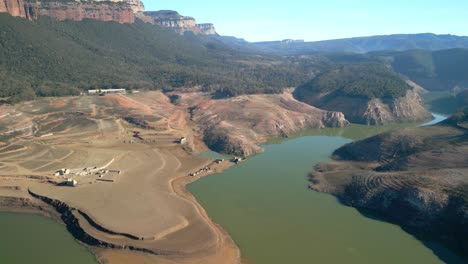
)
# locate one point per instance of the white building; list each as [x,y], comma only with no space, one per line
[107,91]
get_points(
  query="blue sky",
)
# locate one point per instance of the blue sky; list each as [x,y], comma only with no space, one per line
[258,20]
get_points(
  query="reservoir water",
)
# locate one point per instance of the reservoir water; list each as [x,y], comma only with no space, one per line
[29,238]
[266,207]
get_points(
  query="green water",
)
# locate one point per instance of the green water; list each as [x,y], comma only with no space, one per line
[28,238]
[266,207]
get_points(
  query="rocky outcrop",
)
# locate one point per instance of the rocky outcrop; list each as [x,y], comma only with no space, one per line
[417,178]
[375,111]
[178,23]
[136,5]
[207,29]
[121,11]
[118,11]
[240,124]
[13,7]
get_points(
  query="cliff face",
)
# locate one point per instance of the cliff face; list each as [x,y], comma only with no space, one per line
[118,11]
[136,5]
[13,7]
[178,23]
[207,29]
[376,111]
[416,177]
[121,11]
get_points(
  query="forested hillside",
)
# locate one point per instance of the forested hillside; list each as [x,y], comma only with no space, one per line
[366,80]
[48,57]
[441,70]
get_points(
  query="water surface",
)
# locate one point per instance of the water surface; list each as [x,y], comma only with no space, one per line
[266,207]
[29,238]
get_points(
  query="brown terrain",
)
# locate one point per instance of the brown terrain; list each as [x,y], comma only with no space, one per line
[121,11]
[129,170]
[239,125]
[415,177]
[130,176]
[13,7]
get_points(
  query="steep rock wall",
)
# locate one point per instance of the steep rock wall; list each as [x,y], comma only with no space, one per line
[120,12]
[376,111]
[13,7]
[178,23]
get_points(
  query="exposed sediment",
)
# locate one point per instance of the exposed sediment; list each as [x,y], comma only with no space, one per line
[239,125]
[73,226]
[139,209]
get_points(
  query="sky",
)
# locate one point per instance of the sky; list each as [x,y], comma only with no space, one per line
[311,20]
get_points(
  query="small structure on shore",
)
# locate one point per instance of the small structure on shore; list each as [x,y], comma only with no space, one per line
[72,183]
[106,91]
[200,171]
[219,161]
[182,140]
[238,160]
[62,172]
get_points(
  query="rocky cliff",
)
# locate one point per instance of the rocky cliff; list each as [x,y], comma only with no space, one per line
[375,111]
[178,23]
[416,177]
[366,93]
[240,124]
[118,11]
[136,5]
[207,29]
[121,11]
[13,7]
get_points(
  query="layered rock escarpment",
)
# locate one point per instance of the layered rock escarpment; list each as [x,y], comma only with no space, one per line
[416,177]
[118,11]
[178,23]
[121,11]
[13,7]
[136,5]
[207,28]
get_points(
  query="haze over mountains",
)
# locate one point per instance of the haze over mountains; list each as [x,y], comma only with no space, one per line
[397,42]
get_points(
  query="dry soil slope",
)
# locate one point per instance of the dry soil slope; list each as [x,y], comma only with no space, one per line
[238,125]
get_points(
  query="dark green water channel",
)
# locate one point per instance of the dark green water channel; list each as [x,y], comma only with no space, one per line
[266,207]
[29,238]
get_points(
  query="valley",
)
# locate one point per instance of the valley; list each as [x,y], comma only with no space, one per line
[140,136]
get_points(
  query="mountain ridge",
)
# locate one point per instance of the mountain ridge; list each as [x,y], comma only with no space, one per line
[364,44]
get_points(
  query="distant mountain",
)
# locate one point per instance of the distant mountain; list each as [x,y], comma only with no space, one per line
[442,70]
[400,42]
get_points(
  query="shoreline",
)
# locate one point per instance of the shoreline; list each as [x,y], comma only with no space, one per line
[225,246]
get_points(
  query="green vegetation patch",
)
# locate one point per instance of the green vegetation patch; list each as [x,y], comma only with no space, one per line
[360,80]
